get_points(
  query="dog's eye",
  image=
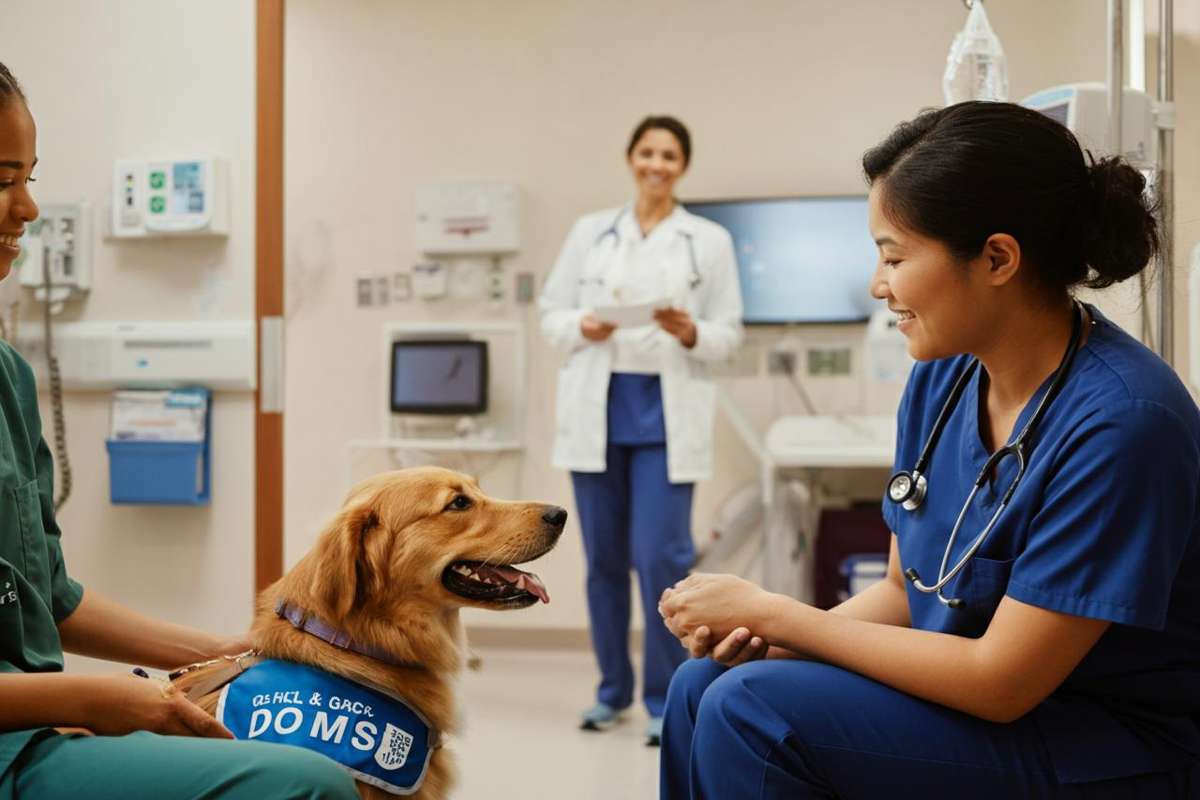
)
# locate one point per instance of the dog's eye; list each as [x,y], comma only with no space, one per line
[459,503]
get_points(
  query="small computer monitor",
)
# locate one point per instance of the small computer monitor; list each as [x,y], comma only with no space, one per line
[800,259]
[439,377]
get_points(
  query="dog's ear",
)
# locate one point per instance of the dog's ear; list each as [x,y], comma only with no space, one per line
[341,560]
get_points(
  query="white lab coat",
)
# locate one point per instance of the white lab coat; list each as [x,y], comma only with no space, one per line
[583,279]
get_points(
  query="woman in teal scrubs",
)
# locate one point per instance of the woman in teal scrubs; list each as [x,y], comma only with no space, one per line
[148,742]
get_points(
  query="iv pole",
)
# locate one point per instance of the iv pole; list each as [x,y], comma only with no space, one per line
[1164,341]
[1166,181]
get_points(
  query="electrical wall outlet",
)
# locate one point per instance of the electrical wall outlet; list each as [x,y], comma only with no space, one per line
[495,282]
[781,362]
[524,290]
[364,286]
[401,287]
[828,361]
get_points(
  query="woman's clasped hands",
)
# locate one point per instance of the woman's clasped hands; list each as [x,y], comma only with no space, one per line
[715,615]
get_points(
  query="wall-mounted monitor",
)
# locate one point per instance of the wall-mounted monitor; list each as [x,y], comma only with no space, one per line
[800,259]
[448,376]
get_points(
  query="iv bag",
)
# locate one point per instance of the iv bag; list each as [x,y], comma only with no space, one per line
[975,68]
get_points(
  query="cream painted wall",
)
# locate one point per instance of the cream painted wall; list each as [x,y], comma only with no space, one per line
[150,78]
[782,98]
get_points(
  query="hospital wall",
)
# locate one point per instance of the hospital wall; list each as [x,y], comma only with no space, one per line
[782,98]
[144,78]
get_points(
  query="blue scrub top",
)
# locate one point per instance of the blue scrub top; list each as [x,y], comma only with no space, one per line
[1104,525]
[635,410]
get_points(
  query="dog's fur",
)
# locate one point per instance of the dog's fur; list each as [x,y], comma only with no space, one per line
[376,574]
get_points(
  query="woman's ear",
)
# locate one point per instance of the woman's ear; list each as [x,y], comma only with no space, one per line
[1002,258]
[341,560]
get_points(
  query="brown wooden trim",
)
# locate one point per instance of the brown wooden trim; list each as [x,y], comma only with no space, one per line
[268,287]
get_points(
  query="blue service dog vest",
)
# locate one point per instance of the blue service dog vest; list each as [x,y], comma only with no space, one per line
[376,738]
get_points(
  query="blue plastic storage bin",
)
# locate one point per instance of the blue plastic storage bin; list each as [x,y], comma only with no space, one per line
[160,473]
[153,472]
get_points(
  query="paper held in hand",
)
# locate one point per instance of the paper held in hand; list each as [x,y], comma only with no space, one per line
[631,316]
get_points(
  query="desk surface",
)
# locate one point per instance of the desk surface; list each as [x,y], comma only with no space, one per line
[846,442]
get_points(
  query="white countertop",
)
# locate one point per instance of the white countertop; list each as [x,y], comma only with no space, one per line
[846,442]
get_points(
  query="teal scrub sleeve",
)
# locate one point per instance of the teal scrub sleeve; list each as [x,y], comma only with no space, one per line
[65,593]
[1116,518]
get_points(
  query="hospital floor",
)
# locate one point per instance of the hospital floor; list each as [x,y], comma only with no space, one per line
[520,736]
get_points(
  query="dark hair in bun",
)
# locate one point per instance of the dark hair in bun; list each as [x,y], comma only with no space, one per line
[962,173]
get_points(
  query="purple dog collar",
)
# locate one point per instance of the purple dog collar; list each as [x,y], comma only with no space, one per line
[304,621]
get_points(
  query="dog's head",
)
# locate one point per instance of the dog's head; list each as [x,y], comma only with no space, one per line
[432,536]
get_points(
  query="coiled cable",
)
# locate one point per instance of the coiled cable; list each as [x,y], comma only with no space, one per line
[56,399]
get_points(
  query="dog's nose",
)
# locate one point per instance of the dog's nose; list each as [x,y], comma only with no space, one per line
[555,516]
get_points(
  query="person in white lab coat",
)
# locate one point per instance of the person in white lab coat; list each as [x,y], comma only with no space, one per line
[635,403]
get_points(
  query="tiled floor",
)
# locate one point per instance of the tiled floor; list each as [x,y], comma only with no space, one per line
[520,738]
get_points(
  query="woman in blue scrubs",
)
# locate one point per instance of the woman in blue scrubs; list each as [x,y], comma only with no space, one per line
[636,402]
[131,737]
[1063,660]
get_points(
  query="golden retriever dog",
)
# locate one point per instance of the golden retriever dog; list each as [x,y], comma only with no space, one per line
[390,572]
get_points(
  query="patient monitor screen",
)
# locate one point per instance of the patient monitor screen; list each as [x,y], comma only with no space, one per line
[800,259]
[439,377]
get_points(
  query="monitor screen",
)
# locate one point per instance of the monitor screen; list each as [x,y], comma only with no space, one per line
[1059,113]
[439,377]
[800,259]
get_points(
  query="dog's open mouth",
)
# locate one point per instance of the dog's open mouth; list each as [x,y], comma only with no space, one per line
[500,584]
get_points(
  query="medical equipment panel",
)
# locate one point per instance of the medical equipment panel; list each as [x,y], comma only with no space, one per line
[468,217]
[445,376]
[1083,108]
[58,246]
[800,259]
[170,197]
[111,355]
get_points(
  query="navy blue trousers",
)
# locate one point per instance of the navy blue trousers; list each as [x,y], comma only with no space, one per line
[632,517]
[802,729]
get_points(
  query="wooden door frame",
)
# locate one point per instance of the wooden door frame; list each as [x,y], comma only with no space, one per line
[268,288]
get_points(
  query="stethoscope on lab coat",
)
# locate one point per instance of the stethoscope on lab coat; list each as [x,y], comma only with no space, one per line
[908,487]
[694,277]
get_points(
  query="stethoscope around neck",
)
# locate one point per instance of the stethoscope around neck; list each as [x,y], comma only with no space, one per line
[694,277]
[908,488]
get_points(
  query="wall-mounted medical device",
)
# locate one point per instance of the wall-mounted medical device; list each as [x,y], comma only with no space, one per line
[57,248]
[439,376]
[170,197]
[468,218]
[1083,108]
[111,355]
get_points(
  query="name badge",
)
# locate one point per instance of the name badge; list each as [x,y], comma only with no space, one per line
[376,738]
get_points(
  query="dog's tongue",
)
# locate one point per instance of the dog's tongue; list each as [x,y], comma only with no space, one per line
[522,580]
